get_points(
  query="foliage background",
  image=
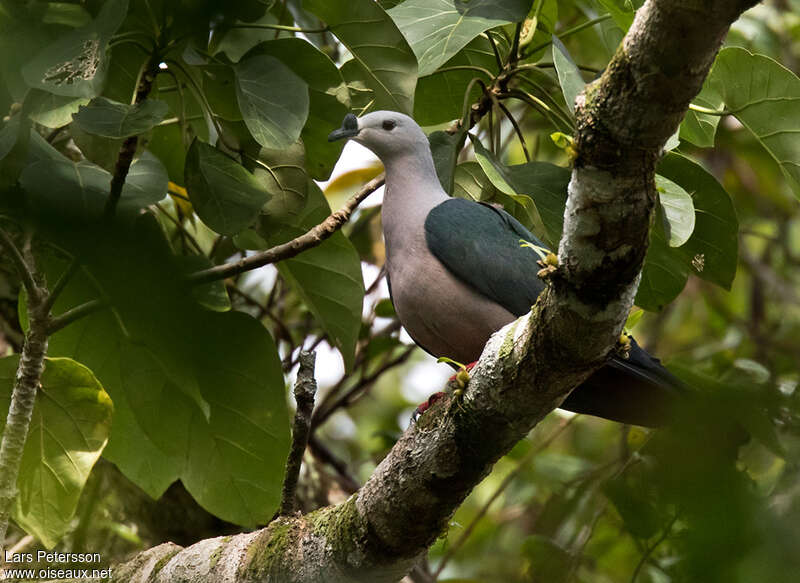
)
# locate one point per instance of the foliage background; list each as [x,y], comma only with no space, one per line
[582,499]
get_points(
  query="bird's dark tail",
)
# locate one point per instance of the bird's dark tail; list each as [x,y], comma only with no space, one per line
[637,390]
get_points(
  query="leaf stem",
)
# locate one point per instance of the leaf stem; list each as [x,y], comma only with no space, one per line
[569,32]
[56,323]
[707,111]
[464,68]
[281,27]
[25,273]
[307,240]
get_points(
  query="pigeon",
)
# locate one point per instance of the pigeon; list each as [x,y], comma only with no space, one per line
[457,273]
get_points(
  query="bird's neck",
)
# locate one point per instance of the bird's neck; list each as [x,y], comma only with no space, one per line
[412,190]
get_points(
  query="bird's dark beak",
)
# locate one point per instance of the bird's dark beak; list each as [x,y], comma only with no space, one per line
[348,130]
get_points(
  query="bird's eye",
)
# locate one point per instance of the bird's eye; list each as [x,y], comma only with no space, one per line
[389,124]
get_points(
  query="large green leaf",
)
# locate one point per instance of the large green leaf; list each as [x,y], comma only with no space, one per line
[80,189]
[328,277]
[53,111]
[224,194]
[445,148]
[153,352]
[386,63]
[95,341]
[68,431]
[620,11]
[664,273]
[75,64]
[438,29]
[700,128]
[546,184]
[678,211]
[440,95]
[712,250]
[235,460]
[111,119]
[470,182]
[329,100]
[506,182]
[765,96]
[273,100]
[569,76]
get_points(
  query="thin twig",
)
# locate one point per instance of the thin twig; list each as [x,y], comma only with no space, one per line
[320,416]
[523,464]
[516,129]
[59,286]
[304,390]
[307,240]
[649,551]
[25,274]
[76,313]
[319,450]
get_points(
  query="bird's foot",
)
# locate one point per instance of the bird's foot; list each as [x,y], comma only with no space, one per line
[460,379]
[426,405]
[464,372]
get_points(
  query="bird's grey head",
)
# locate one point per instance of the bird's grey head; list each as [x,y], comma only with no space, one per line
[387,133]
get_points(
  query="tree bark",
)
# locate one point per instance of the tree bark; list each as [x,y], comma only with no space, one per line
[528,367]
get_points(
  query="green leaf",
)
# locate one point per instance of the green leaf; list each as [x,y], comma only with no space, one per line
[153,353]
[80,189]
[640,515]
[63,13]
[623,17]
[95,341]
[507,182]
[678,211]
[102,151]
[68,431]
[764,96]
[219,86]
[569,76]
[273,100]
[282,174]
[53,111]
[110,119]
[75,65]
[225,195]
[438,29]
[445,148]
[384,60]
[440,95]
[712,250]
[700,128]
[547,185]
[329,100]
[664,273]
[235,459]
[547,558]
[471,182]
[327,277]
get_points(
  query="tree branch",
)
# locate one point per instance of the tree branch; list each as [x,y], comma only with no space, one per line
[304,389]
[23,397]
[128,148]
[307,240]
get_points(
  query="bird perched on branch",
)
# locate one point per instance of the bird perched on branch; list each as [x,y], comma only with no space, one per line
[457,273]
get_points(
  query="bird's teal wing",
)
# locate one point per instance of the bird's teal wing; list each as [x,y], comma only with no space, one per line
[480,245]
